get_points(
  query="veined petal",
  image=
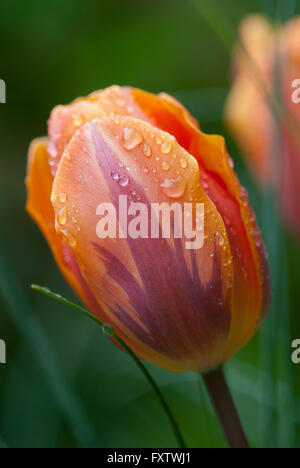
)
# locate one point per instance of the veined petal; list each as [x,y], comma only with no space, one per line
[251,290]
[170,304]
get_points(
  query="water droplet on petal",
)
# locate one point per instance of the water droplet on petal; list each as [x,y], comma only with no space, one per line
[166,147]
[78,120]
[62,217]
[124,180]
[165,166]
[115,175]
[221,241]
[183,163]
[131,138]
[62,198]
[52,150]
[72,241]
[147,151]
[174,188]
[158,140]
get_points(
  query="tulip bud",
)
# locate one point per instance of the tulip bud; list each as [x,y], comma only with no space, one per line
[270,148]
[150,226]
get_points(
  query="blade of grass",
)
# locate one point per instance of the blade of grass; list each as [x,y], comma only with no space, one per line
[29,327]
[217,23]
[269,330]
[276,338]
[109,331]
[280,343]
[287,399]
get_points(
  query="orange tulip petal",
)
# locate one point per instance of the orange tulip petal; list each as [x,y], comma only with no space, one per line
[175,311]
[65,120]
[251,283]
[39,186]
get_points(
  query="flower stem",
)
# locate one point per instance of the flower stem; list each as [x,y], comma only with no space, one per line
[156,389]
[222,400]
[109,331]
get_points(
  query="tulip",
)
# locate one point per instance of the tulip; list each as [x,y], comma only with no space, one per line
[178,308]
[271,149]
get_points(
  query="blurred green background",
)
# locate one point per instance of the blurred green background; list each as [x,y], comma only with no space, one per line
[65,384]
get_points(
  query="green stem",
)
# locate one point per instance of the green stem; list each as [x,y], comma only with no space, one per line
[160,396]
[225,408]
[109,331]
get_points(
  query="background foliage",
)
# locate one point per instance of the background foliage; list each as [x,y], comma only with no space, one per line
[65,385]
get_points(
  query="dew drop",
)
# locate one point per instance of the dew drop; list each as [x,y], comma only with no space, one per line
[147,151]
[174,188]
[62,198]
[183,163]
[72,241]
[115,175]
[124,180]
[78,120]
[165,166]
[62,217]
[158,140]
[131,138]
[52,150]
[166,147]
[221,241]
